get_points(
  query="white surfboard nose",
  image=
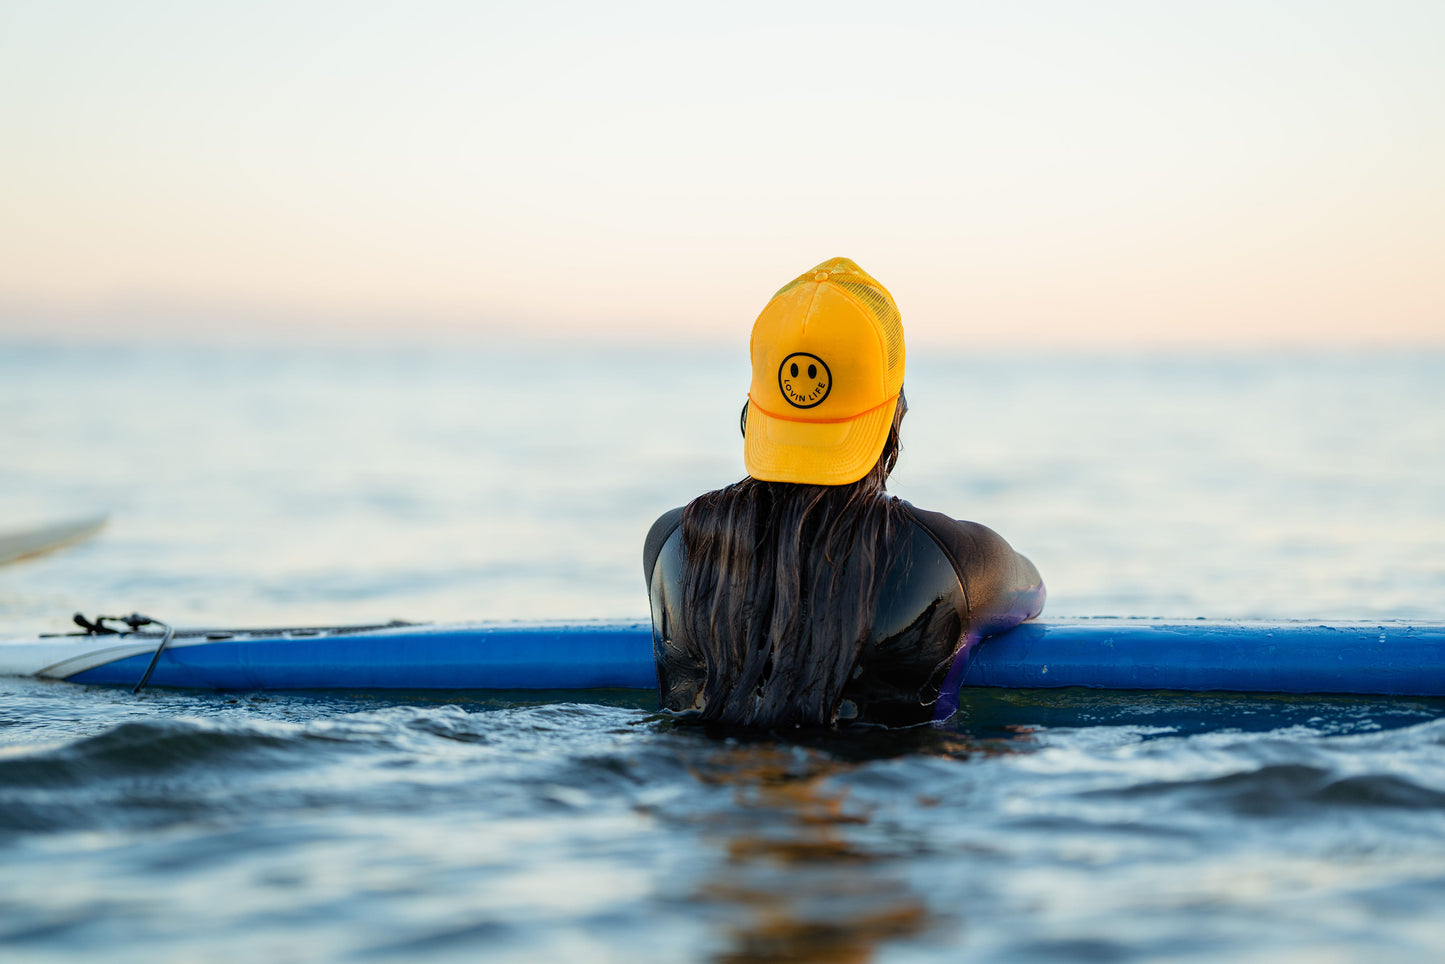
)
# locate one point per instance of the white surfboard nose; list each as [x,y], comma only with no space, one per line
[21,544]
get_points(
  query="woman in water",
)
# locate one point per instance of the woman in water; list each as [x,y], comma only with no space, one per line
[805,594]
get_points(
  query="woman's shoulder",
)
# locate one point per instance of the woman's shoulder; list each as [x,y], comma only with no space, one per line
[993,573]
[657,537]
[662,530]
[951,532]
[967,544]
[665,524]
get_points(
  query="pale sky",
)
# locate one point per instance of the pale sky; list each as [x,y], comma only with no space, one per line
[1057,172]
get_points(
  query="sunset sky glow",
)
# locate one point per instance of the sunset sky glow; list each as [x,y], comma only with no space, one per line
[1110,173]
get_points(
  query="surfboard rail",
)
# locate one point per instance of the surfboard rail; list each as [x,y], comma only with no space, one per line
[1392,658]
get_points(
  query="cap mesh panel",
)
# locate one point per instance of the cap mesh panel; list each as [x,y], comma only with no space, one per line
[884,312]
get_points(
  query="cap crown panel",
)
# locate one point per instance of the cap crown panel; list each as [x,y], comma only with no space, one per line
[828,324]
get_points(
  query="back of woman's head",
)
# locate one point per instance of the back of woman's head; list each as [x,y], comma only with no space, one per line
[783,570]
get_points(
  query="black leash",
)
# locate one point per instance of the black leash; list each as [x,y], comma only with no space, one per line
[135,621]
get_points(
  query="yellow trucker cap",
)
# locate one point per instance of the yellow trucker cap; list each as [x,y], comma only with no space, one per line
[828,358]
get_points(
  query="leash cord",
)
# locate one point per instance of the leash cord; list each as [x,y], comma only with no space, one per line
[135,621]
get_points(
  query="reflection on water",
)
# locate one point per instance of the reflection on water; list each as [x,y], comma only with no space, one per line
[1006,713]
[799,882]
[798,888]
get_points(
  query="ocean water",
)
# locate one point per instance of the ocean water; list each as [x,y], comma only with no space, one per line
[255,483]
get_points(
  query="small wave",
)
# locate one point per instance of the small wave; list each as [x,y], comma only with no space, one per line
[477,937]
[1380,790]
[151,773]
[1283,788]
[150,748]
[147,773]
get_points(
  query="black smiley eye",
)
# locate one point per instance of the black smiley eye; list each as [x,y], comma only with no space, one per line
[794,369]
[812,371]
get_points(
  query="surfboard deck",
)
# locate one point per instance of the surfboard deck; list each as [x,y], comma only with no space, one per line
[1396,658]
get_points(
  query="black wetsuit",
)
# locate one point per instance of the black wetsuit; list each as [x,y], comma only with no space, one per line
[949,583]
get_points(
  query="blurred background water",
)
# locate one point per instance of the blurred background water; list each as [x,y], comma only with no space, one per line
[249,483]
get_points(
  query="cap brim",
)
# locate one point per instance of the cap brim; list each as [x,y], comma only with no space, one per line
[815,453]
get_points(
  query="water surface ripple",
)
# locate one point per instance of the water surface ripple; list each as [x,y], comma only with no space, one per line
[1033,827]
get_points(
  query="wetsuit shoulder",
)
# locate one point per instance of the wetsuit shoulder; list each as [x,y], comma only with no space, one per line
[999,584]
[657,537]
[962,542]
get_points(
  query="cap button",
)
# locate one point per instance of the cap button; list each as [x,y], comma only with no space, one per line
[821,276]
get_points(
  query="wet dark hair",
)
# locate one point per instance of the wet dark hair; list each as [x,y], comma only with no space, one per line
[779,589]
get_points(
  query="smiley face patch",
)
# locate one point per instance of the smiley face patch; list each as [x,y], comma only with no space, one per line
[804,380]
